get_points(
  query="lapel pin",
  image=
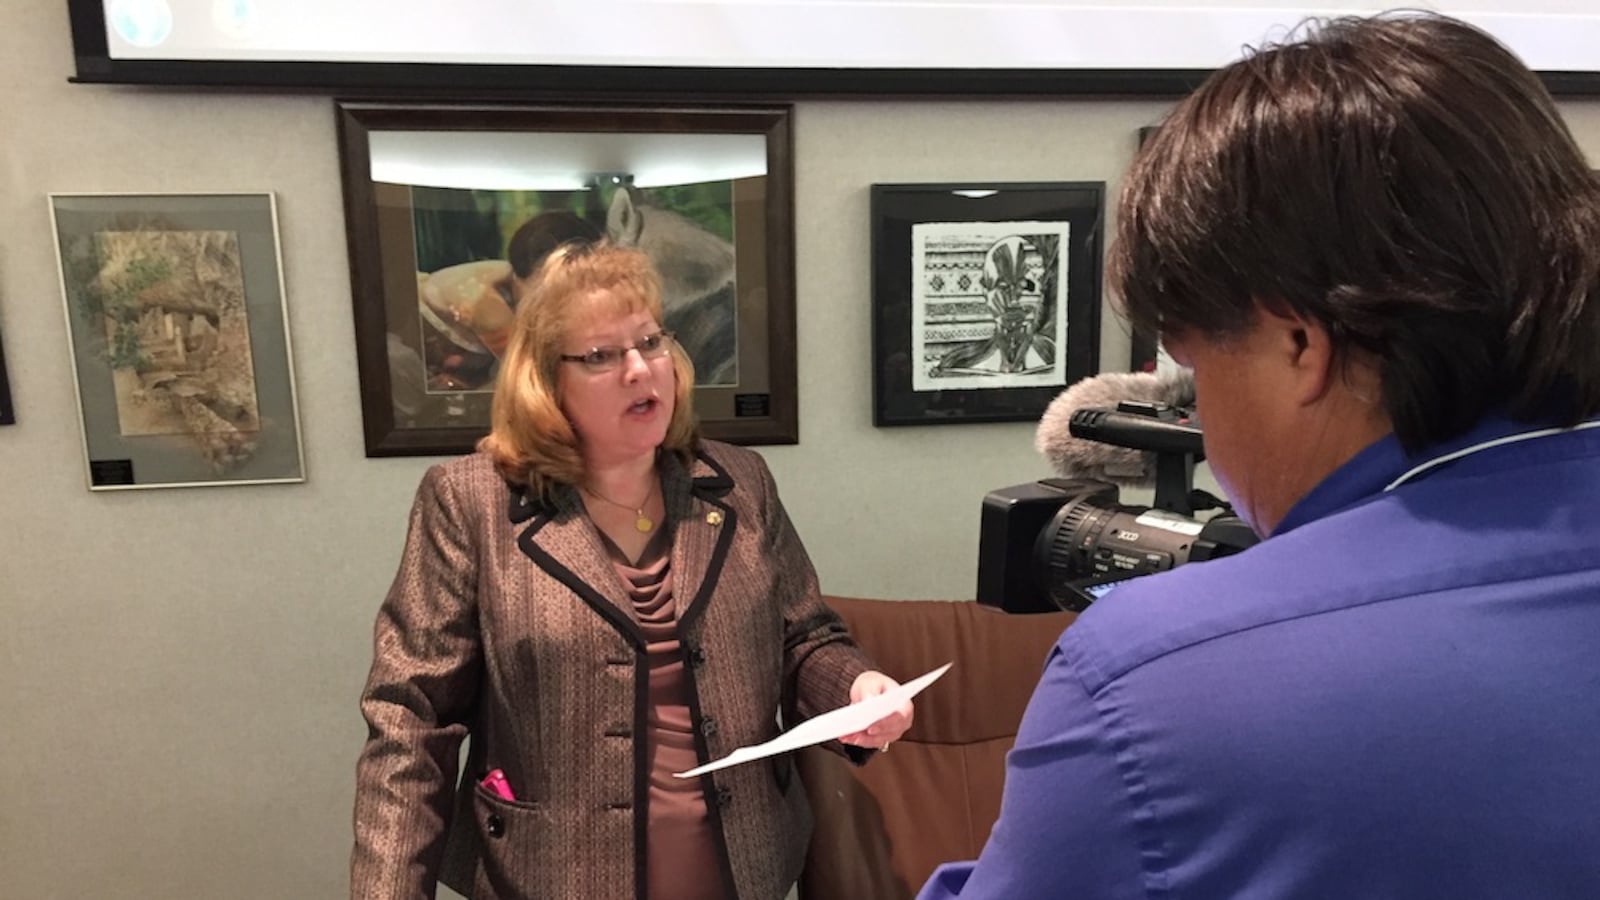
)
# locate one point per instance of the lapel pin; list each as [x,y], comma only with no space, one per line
[714,517]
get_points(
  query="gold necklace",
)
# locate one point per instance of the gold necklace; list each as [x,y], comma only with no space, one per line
[641,522]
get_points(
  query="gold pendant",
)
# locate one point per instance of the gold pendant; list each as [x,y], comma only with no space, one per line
[643,523]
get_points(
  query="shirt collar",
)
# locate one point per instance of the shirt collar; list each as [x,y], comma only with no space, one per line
[1364,476]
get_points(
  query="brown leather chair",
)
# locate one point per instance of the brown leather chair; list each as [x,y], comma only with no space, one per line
[882,828]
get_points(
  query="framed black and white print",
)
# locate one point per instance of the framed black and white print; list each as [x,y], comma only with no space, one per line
[985,298]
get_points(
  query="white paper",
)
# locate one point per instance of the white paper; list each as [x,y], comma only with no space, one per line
[826,727]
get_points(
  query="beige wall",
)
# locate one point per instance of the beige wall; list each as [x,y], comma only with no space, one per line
[179,668]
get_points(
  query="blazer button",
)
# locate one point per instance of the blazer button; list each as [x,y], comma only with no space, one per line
[495,825]
[708,726]
[724,797]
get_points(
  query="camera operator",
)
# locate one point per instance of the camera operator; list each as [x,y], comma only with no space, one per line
[1378,247]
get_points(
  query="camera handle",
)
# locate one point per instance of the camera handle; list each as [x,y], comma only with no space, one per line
[1174,475]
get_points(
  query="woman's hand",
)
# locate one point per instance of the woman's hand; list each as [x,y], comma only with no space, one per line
[881,733]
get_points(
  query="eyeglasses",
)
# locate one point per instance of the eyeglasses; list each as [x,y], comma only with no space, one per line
[604,359]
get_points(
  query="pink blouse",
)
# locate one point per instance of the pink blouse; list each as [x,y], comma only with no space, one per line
[680,848]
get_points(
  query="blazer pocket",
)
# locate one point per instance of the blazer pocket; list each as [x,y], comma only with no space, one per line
[509,835]
[482,796]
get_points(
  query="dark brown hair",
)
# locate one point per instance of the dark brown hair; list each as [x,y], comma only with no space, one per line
[1406,182]
[543,233]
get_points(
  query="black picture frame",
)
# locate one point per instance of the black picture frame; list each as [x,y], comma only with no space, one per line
[8,413]
[937,328]
[756,404]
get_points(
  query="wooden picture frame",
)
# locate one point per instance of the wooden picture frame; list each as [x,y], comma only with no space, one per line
[179,332]
[449,207]
[985,296]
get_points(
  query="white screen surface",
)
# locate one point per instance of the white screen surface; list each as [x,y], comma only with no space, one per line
[1550,35]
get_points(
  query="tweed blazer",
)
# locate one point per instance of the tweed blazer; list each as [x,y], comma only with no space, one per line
[508,622]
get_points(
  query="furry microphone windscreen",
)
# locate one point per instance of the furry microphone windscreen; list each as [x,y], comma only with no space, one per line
[1073,457]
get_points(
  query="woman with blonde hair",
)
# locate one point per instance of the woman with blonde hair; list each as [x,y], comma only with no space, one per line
[599,598]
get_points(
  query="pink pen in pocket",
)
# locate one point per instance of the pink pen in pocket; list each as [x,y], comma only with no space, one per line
[497,785]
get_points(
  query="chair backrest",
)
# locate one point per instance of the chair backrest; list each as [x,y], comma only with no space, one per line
[882,828]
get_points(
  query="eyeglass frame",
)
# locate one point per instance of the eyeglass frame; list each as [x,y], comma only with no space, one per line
[618,353]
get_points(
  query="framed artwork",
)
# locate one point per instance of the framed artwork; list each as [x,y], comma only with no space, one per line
[985,298]
[179,333]
[450,209]
[8,413]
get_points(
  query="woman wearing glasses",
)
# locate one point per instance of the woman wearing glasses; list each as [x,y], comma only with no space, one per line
[600,599]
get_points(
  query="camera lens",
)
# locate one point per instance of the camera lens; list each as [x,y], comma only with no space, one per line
[1089,539]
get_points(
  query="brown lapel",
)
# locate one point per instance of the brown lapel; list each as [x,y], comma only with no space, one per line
[562,541]
[703,528]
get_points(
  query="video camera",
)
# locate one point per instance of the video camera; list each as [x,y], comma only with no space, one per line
[1061,543]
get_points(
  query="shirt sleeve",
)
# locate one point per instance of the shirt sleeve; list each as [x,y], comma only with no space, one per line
[1066,826]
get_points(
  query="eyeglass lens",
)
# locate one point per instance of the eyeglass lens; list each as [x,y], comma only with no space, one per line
[650,346]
